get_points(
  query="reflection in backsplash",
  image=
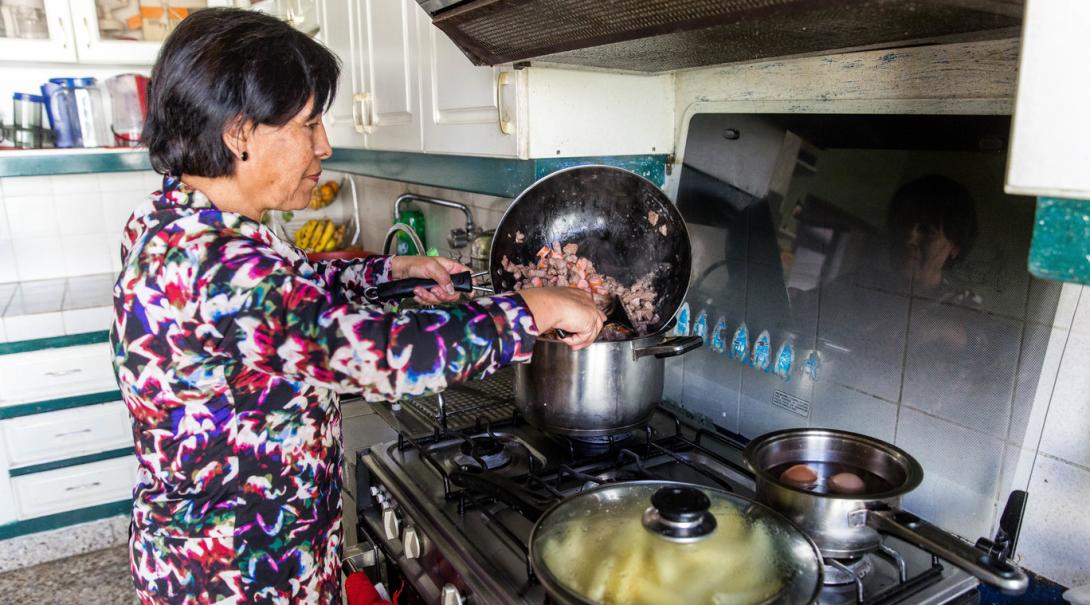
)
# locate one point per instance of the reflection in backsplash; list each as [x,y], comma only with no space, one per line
[884,252]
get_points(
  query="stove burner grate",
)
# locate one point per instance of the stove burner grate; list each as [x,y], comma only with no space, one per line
[486,451]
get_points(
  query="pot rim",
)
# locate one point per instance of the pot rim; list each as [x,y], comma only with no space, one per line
[556,588]
[913,469]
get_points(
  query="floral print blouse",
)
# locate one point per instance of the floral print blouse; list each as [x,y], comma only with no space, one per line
[231,350]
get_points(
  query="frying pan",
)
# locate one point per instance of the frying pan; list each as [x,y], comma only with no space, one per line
[604,210]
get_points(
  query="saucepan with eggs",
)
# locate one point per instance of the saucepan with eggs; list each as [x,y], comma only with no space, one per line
[844,490]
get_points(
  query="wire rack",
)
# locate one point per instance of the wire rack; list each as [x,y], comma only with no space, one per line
[483,401]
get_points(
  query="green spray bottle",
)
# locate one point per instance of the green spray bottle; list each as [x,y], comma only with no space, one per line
[414,218]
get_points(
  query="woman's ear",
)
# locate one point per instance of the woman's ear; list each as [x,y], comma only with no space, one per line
[236,136]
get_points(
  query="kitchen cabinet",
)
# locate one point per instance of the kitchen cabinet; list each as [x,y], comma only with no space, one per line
[74,487]
[25,41]
[105,40]
[406,87]
[1048,154]
[377,104]
[54,373]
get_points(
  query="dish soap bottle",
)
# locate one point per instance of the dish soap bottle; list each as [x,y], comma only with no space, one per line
[414,218]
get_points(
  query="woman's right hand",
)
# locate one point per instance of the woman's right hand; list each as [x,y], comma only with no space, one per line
[569,309]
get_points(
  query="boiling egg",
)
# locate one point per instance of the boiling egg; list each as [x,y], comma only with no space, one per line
[846,483]
[800,474]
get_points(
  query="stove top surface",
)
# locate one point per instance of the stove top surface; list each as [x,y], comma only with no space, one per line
[476,491]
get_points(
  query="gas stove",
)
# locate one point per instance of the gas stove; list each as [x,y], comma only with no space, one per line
[446,510]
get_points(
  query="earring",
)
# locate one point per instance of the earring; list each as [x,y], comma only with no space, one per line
[245,155]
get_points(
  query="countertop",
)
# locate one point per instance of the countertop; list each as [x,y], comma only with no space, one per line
[55,307]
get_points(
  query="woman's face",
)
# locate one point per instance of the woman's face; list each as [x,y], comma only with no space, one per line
[285,162]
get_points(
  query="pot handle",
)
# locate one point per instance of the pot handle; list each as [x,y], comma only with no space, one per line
[670,346]
[998,572]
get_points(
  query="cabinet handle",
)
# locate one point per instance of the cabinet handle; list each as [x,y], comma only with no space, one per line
[361,113]
[84,486]
[64,32]
[87,30]
[70,433]
[504,121]
[58,373]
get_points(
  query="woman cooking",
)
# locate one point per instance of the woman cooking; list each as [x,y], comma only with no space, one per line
[231,348]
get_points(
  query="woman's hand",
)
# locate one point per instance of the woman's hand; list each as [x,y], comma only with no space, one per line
[428,267]
[568,309]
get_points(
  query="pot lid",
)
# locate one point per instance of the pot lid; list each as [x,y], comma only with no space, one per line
[664,542]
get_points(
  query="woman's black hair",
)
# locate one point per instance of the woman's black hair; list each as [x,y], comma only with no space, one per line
[934,201]
[224,67]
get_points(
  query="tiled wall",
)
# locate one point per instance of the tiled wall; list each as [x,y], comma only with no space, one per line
[62,226]
[990,394]
[376,199]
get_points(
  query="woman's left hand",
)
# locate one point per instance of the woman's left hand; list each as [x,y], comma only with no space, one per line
[438,268]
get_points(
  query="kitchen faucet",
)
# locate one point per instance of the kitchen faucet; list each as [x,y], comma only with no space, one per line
[458,238]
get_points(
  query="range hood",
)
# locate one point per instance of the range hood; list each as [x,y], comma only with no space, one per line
[661,35]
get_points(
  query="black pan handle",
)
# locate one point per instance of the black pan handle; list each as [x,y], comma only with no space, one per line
[403,288]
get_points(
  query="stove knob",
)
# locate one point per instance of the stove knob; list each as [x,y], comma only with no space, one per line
[451,596]
[410,539]
[391,524]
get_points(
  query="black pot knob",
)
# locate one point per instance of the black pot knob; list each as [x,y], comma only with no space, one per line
[679,514]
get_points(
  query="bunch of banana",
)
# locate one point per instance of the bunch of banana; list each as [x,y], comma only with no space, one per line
[320,197]
[320,235]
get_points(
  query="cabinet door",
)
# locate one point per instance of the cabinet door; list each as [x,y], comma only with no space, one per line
[391,112]
[125,33]
[42,31]
[337,29]
[468,110]
[1048,155]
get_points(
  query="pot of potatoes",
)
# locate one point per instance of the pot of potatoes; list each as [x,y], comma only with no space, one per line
[664,543]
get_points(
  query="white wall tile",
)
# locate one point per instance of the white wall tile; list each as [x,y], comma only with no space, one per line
[961,365]
[961,473]
[756,414]
[30,216]
[123,181]
[118,208]
[39,257]
[5,231]
[838,407]
[75,183]
[1081,319]
[27,327]
[673,378]
[1056,526]
[1039,363]
[712,384]
[1052,303]
[152,181]
[26,185]
[79,321]
[1067,426]
[86,254]
[8,267]
[79,213]
[3,338]
[862,338]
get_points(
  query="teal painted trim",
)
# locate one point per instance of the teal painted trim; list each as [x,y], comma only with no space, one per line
[72,517]
[67,462]
[63,403]
[61,162]
[490,176]
[1060,249]
[650,167]
[68,340]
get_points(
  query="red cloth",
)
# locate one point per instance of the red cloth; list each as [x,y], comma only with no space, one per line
[360,591]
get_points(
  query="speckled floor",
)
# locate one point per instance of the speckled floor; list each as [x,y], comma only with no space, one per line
[99,578]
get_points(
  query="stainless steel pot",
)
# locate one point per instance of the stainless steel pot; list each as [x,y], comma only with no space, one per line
[845,525]
[605,388]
